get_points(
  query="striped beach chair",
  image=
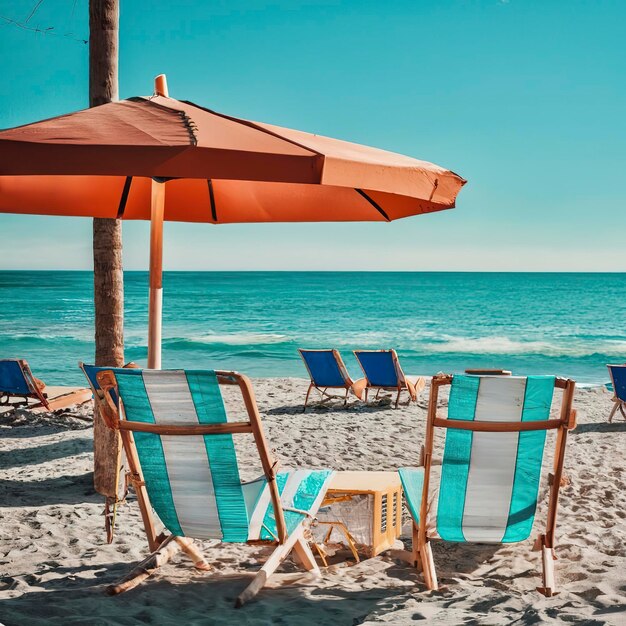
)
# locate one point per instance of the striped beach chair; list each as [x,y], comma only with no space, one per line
[383,372]
[618,378]
[327,371]
[486,488]
[179,443]
[18,387]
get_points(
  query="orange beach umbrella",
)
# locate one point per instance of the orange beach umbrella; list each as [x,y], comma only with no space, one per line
[159,158]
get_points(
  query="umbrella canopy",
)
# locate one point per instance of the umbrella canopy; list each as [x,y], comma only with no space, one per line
[99,162]
[117,160]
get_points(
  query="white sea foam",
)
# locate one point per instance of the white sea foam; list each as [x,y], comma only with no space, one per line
[358,340]
[568,347]
[232,339]
[49,337]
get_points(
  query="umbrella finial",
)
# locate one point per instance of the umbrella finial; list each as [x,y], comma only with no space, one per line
[160,86]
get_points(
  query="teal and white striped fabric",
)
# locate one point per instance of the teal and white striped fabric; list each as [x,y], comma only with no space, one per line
[193,481]
[489,482]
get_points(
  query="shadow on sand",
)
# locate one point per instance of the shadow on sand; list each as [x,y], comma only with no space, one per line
[26,425]
[43,454]
[600,427]
[78,592]
[69,593]
[318,408]
[60,490]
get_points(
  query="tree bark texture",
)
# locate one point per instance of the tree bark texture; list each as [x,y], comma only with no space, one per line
[107,243]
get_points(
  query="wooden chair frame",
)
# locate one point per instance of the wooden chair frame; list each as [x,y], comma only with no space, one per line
[110,502]
[35,392]
[403,383]
[421,555]
[45,402]
[618,402]
[348,384]
[163,546]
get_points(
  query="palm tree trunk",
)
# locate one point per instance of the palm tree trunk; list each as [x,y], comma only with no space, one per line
[107,242]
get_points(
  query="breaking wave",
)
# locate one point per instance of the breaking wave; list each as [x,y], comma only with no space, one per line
[504,345]
[228,339]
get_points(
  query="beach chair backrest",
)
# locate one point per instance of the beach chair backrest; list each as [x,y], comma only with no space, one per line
[193,480]
[618,376]
[325,368]
[381,367]
[91,372]
[14,377]
[490,480]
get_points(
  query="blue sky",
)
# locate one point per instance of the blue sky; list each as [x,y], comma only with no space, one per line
[525,99]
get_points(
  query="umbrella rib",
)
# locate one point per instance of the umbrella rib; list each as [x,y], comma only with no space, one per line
[255,126]
[190,126]
[124,198]
[212,198]
[374,204]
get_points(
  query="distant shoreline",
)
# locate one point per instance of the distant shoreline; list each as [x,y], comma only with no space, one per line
[342,271]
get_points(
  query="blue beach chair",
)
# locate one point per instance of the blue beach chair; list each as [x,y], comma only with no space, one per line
[486,489]
[327,371]
[18,386]
[618,378]
[383,372]
[179,443]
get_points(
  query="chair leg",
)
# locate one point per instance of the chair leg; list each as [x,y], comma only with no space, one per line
[398,398]
[345,400]
[306,399]
[275,559]
[147,567]
[366,390]
[302,549]
[547,561]
[616,406]
[422,558]
[193,552]
[428,566]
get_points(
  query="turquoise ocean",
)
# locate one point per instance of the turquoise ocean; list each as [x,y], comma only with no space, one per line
[564,324]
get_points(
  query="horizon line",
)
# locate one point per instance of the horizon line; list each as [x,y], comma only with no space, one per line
[326,271]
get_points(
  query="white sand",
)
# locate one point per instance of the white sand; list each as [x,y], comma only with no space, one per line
[55,564]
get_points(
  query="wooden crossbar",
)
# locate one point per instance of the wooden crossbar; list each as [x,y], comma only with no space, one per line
[497,427]
[441,380]
[200,429]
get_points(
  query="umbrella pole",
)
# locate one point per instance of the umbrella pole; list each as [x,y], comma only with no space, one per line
[155,305]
